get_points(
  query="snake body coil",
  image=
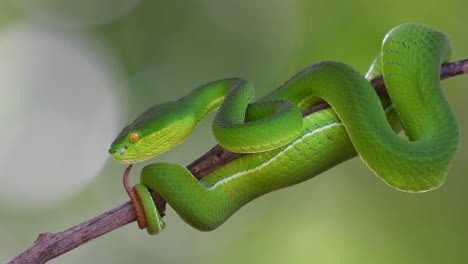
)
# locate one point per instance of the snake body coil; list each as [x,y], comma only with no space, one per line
[285,148]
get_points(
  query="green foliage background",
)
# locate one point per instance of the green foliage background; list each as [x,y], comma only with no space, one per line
[346,215]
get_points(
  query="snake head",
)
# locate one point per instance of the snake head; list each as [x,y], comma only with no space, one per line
[155,131]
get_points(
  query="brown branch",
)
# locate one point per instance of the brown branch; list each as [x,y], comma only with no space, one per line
[50,245]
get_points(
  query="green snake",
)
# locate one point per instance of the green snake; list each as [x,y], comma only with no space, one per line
[284,148]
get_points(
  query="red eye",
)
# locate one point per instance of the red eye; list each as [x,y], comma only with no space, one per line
[133,137]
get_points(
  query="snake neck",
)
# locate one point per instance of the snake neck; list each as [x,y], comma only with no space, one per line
[209,97]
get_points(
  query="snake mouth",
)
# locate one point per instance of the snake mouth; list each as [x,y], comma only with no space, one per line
[118,154]
[125,156]
[120,157]
[124,161]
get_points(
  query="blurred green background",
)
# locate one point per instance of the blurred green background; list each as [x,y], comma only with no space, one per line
[73,73]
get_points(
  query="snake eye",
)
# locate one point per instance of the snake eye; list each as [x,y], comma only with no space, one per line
[133,137]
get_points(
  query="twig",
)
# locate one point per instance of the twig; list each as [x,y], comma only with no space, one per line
[50,245]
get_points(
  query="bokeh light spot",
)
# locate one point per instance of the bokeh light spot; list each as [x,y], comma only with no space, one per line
[58,114]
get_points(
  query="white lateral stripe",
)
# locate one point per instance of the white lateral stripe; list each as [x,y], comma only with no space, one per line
[239,174]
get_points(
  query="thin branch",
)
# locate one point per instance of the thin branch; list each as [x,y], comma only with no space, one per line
[50,245]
